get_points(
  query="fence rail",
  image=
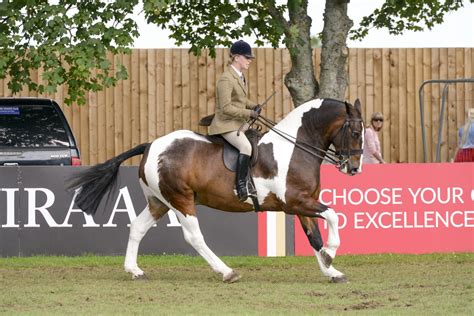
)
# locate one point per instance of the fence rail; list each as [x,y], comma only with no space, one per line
[169,89]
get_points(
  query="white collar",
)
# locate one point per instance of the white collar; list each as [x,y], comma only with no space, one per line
[239,73]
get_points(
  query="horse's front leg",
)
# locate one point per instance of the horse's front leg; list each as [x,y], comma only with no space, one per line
[324,255]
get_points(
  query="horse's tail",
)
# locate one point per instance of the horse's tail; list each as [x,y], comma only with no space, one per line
[96,181]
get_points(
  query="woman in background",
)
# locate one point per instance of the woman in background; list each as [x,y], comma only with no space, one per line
[372,151]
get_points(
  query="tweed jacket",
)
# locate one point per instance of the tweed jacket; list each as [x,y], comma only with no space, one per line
[232,105]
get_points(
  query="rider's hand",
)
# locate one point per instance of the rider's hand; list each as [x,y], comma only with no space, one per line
[257,109]
[253,114]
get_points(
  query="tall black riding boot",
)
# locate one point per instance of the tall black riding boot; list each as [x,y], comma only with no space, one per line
[242,176]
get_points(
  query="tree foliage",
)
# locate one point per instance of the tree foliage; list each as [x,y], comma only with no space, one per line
[68,41]
[208,24]
[398,16]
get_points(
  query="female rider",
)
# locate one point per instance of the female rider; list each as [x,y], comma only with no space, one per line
[233,109]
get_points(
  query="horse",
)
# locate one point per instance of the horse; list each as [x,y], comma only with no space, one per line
[183,169]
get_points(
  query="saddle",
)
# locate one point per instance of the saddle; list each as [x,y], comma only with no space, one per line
[230,154]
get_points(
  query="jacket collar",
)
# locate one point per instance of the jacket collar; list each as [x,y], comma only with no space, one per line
[237,77]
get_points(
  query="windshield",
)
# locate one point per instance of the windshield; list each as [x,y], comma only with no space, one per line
[31,126]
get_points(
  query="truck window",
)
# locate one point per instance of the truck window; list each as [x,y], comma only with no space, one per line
[31,126]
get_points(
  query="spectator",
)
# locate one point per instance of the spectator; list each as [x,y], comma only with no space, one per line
[372,151]
[465,152]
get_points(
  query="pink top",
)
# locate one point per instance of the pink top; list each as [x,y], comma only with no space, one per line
[371,146]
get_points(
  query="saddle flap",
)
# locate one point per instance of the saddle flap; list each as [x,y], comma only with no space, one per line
[230,154]
[206,120]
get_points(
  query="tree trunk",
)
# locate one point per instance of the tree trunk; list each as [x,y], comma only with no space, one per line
[334,52]
[300,81]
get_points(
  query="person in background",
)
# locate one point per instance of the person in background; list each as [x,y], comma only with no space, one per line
[372,151]
[233,109]
[465,152]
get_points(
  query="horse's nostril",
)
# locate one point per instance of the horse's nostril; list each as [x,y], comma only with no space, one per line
[354,170]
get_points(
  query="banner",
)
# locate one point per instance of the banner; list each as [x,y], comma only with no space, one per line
[399,208]
[392,208]
[38,217]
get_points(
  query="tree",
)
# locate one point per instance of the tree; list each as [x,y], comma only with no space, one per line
[70,39]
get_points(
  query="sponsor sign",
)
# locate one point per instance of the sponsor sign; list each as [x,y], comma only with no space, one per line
[393,208]
[399,208]
[37,216]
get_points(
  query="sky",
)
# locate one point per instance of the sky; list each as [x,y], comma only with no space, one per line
[456,31]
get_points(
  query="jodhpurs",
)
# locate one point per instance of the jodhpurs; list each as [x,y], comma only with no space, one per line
[240,142]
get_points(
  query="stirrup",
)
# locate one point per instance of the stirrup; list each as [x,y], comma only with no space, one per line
[251,187]
[250,192]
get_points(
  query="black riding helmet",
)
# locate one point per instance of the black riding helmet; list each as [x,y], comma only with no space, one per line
[241,48]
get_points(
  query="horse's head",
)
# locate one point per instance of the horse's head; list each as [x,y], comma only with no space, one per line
[349,139]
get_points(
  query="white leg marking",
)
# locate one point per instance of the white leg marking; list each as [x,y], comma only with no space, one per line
[329,272]
[138,229]
[193,235]
[332,244]
[333,241]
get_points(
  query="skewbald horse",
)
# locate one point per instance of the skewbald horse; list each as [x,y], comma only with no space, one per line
[183,169]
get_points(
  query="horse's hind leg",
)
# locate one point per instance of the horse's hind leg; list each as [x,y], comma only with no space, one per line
[139,227]
[193,235]
[326,255]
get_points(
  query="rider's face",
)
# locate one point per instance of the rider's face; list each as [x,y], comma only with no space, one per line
[243,62]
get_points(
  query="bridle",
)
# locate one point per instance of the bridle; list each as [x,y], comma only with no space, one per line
[345,152]
[339,158]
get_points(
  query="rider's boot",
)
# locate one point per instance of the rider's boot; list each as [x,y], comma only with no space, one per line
[243,177]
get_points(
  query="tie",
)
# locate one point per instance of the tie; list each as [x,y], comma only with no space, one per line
[242,78]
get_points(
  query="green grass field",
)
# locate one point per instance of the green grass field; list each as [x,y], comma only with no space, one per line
[378,284]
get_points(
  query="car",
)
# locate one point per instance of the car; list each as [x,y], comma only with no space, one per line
[34,131]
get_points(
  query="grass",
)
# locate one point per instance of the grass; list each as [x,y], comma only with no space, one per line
[379,284]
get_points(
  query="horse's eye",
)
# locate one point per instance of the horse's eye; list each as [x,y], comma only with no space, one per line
[355,134]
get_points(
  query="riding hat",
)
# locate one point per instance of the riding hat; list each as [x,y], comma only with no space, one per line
[241,48]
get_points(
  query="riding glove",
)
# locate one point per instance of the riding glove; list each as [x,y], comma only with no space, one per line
[258,109]
[254,114]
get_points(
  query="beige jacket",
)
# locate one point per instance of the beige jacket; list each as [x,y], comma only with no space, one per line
[232,106]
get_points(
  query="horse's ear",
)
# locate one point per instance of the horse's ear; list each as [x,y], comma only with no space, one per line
[357,105]
[348,108]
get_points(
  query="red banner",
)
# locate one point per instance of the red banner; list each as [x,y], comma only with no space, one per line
[399,208]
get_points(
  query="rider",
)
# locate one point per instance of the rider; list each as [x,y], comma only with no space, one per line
[233,109]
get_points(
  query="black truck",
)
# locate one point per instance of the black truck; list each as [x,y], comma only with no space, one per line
[34,131]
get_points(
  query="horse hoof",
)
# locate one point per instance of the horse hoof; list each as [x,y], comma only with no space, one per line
[339,279]
[232,277]
[140,277]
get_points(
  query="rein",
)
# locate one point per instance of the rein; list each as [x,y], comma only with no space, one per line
[337,158]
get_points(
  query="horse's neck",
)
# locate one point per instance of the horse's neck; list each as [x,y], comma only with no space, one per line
[291,124]
[283,145]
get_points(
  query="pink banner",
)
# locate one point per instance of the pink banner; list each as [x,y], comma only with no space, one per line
[399,208]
